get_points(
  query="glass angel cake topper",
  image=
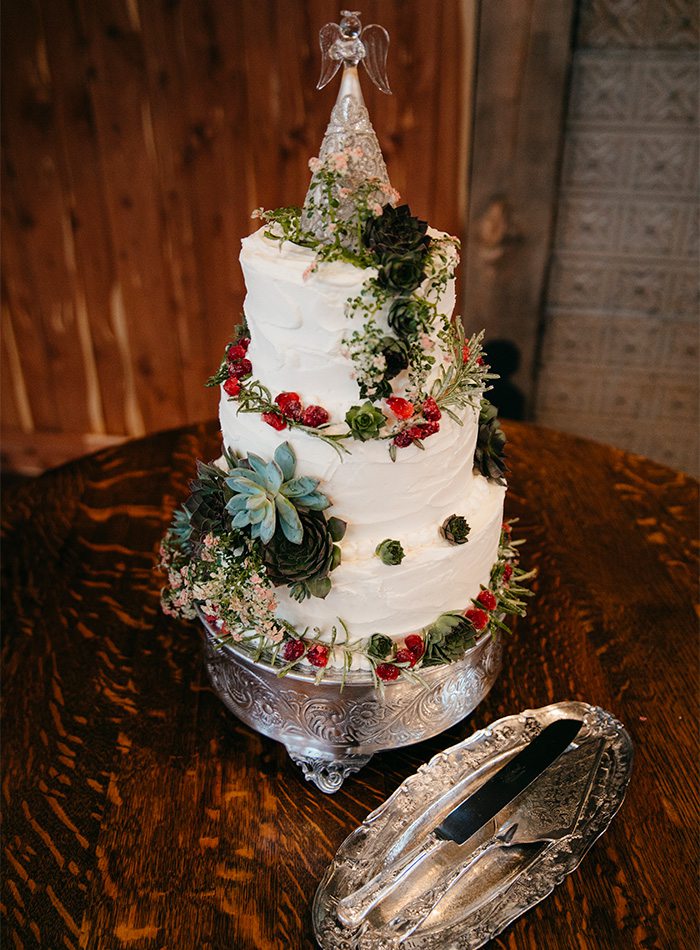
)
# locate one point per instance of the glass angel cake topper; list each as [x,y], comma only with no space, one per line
[350,144]
[347,42]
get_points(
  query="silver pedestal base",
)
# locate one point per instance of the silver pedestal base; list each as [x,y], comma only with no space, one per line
[331,733]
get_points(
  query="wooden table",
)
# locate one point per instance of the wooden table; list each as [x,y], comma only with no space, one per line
[139,814]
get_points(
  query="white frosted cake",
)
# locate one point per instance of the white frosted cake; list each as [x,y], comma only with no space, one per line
[355,518]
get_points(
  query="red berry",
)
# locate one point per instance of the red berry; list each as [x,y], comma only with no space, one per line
[506,528]
[387,671]
[423,430]
[487,599]
[211,619]
[318,655]
[275,420]
[292,650]
[314,416]
[479,361]
[477,618]
[236,352]
[465,353]
[290,404]
[431,410]
[405,656]
[415,644]
[401,408]
[240,368]
[244,342]
[507,572]
[403,439]
[232,387]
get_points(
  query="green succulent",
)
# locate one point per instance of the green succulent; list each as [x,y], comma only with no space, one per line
[204,510]
[266,494]
[365,422]
[390,552]
[305,565]
[405,318]
[447,638]
[395,353]
[489,457]
[379,646]
[395,231]
[455,529]
[401,273]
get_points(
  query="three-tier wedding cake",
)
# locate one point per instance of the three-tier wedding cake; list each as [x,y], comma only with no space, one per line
[355,518]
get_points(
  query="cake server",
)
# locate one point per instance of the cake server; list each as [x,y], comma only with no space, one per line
[464,823]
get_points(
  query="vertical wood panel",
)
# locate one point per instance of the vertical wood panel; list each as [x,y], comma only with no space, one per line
[524,51]
[138,137]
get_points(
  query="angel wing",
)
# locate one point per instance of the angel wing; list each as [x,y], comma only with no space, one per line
[327,37]
[376,42]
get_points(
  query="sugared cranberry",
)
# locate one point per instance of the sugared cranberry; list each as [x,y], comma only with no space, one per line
[414,643]
[477,618]
[290,404]
[487,599]
[402,408]
[465,353]
[275,420]
[240,368]
[403,439]
[314,416]
[387,671]
[431,410]
[480,361]
[318,655]
[405,656]
[428,428]
[507,572]
[236,352]
[245,343]
[292,650]
[232,387]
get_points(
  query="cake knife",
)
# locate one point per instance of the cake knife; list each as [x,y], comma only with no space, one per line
[467,819]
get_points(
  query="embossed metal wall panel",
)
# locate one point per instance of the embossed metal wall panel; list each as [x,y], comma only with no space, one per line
[619,361]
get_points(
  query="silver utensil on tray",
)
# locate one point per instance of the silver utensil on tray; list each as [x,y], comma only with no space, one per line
[529,832]
[469,826]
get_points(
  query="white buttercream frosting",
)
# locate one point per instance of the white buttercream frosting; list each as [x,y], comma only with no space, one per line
[297,323]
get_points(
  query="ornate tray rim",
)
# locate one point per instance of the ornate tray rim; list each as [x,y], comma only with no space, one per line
[354,861]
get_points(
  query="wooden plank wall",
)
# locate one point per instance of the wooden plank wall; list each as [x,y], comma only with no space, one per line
[524,56]
[137,137]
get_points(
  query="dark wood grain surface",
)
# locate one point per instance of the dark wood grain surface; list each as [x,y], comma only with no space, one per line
[139,814]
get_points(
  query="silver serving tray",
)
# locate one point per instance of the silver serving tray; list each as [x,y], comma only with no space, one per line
[570,806]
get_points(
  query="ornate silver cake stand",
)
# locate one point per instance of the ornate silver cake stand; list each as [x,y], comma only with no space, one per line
[330,732]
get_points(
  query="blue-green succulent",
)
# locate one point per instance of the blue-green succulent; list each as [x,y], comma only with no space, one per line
[266,494]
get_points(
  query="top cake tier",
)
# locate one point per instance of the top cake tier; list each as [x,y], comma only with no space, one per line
[299,318]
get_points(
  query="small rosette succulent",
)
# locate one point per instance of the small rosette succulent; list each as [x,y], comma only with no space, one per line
[396,356]
[448,638]
[455,529]
[489,457]
[390,552]
[365,421]
[305,565]
[401,273]
[395,231]
[404,318]
[266,494]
